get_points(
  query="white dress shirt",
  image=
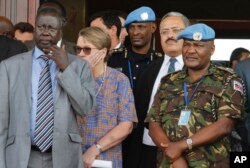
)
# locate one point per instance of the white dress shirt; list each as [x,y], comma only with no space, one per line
[118,45]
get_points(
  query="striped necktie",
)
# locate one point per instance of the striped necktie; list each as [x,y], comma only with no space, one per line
[45,109]
[172,65]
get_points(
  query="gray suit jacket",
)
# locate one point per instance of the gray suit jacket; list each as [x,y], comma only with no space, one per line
[69,46]
[74,96]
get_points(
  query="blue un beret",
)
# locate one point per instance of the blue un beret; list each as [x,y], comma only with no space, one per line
[197,32]
[142,14]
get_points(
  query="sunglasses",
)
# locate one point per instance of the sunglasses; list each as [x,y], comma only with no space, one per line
[86,50]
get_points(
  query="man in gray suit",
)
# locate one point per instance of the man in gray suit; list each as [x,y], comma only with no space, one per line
[27,137]
[57,5]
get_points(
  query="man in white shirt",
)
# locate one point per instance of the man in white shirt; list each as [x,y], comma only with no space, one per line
[171,24]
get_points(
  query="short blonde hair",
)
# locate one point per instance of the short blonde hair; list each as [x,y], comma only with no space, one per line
[96,36]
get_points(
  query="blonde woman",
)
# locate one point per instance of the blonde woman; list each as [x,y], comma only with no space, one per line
[104,130]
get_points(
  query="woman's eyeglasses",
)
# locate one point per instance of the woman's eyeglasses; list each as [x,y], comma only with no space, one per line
[86,50]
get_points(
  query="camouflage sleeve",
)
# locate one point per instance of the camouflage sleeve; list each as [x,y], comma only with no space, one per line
[232,102]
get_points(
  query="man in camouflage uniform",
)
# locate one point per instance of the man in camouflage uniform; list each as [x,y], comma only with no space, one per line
[195,109]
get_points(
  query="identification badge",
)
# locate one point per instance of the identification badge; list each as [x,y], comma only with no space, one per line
[184,117]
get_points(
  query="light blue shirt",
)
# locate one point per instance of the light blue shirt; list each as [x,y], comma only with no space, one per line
[37,66]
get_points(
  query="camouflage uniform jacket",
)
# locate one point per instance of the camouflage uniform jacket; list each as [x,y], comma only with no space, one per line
[169,102]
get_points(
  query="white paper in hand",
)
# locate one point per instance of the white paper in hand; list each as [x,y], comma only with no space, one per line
[102,164]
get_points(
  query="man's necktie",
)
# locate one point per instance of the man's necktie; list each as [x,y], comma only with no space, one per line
[171,66]
[45,110]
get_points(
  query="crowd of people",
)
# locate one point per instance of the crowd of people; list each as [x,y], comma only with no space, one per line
[110,96]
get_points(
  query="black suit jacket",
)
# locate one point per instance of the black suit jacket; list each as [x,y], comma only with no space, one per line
[144,88]
[10,47]
[132,145]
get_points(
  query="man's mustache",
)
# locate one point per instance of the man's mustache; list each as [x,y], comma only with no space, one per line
[171,39]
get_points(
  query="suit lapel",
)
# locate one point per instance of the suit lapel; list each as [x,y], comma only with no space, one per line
[58,87]
[58,90]
[154,72]
[26,72]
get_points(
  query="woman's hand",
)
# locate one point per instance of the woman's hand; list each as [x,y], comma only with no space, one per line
[95,58]
[89,156]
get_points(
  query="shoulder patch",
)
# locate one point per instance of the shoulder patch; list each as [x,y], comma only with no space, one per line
[170,75]
[118,50]
[158,54]
[175,72]
[237,86]
[230,70]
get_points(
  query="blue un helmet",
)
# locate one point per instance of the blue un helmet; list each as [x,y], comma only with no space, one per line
[197,32]
[142,14]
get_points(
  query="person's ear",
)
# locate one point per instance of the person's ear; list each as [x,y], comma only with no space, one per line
[234,63]
[104,52]
[113,30]
[64,22]
[212,49]
[153,27]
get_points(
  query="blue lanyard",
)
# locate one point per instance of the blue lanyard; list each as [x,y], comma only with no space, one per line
[130,74]
[186,92]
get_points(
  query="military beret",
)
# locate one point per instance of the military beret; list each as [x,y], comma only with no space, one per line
[197,32]
[142,14]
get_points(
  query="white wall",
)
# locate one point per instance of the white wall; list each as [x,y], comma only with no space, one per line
[224,47]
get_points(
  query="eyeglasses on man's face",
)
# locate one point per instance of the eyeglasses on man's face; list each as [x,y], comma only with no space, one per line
[86,50]
[174,30]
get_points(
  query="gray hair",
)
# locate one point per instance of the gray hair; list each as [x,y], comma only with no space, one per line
[173,13]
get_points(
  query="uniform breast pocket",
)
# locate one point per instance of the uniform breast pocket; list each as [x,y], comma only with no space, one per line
[204,111]
[207,103]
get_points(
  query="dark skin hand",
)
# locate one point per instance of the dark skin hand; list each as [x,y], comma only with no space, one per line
[58,55]
[173,150]
[208,134]
[180,163]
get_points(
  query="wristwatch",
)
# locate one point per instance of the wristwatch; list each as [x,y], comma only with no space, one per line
[99,147]
[189,142]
